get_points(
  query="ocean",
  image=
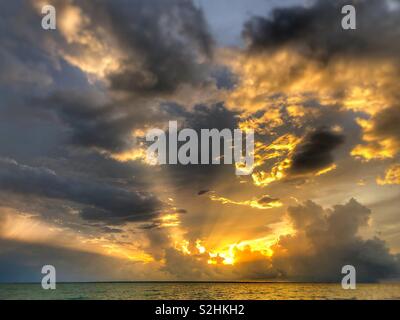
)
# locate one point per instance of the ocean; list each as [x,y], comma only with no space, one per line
[197,291]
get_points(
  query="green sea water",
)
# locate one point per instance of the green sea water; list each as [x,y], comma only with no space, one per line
[211,291]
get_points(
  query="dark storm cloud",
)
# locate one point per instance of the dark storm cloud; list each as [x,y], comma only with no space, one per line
[102,202]
[215,116]
[386,123]
[92,123]
[164,45]
[332,236]
[316,30]
[22,59]
[168,38]
[105,125]
[266,200]
[201,176]
[315,152]
[100,167]
[150,226]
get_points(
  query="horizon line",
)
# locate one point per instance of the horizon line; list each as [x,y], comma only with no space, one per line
[201,281]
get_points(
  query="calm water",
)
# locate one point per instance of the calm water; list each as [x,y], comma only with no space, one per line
[235,291]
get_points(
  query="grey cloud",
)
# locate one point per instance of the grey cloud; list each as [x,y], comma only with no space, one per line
[169,39]
[386,123]
[332,241]
[266,199]
[102,202]
[165,45]
[316,30]
[91,123]
[196,177]
[316,152]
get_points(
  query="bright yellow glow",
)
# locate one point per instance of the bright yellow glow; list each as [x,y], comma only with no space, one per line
[278,172]
[242,251]
[254,203]
[281,148]
[375,147]
[364,83]
[99,55]
[392,175]
[138,152]
[131,155]
[170,220]
[199,247]
[185,247]
[270,81]
[326,170]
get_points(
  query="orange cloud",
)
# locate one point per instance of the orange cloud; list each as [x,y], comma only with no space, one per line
[270,80]
[25,227]
[392,175]
[263,203]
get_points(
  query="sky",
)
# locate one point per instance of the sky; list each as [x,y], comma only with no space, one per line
[76,189]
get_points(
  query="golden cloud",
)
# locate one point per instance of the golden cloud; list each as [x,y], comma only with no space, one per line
[392,175]
[263,203]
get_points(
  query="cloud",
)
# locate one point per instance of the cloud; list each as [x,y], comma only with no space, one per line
[293,158]
[16,71]
[326,240]
[99,72]
[85,114]
[23,262]
[106,39]
[322,242]
[316,30]
[381,135]
[75,99]
[315,153]
[301,54]
[392,175]
[264,202]
[102,202]
[214,116]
